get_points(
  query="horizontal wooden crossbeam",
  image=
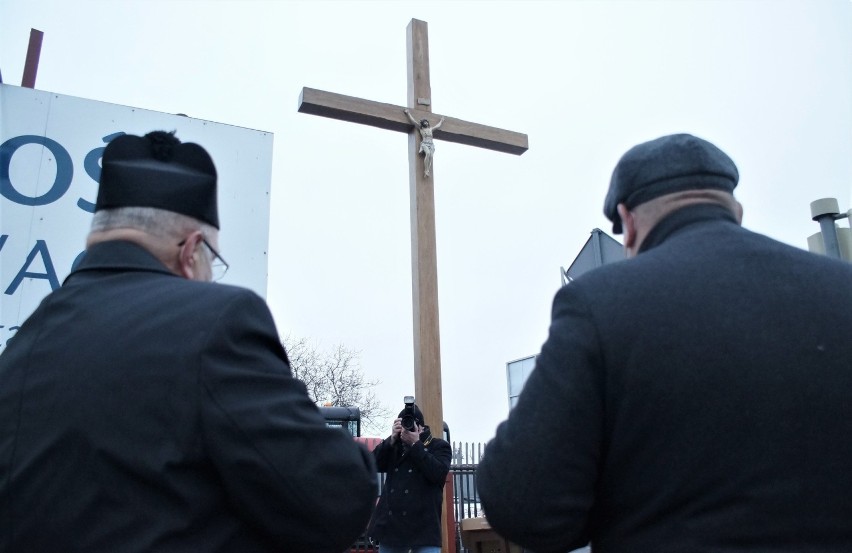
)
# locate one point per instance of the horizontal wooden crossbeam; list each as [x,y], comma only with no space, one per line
[391,117]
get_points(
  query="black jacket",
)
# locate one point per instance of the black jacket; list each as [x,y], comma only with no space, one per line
[409,509]
[694,398]
[140,411]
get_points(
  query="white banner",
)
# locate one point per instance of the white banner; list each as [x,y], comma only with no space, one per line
[50,151]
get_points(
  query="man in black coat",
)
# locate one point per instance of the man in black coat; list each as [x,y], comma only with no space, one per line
[144,408]
[692,398]
[408,516]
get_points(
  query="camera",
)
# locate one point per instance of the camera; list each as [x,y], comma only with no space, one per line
[408,420]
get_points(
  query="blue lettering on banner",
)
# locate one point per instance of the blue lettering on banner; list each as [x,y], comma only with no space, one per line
[64,170]
[60,185]
[49,275]
[93,168]
[40,248]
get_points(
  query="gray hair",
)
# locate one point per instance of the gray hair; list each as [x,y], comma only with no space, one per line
[151,220]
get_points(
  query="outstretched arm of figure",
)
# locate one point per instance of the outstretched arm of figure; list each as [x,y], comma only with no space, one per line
[439,124]
[413,120]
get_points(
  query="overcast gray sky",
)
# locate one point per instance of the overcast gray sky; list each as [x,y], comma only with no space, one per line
[770,82]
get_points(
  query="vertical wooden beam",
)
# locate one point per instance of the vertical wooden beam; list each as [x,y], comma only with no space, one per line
[424,262]
[33,54]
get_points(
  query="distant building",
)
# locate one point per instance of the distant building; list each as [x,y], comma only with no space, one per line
[516,374]
[598,250]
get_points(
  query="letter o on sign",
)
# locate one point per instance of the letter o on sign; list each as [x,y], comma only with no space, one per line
[64,170]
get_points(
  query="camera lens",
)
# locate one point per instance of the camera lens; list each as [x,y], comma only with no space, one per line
[409,423]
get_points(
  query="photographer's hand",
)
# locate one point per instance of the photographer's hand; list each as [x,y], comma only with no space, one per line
[408,437]
[395,430]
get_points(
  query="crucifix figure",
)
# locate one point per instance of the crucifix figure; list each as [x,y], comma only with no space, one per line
[427,147]
[427,350]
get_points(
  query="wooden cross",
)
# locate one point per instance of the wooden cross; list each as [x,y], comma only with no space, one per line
[427,349]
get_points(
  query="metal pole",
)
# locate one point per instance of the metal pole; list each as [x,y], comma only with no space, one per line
[825,211]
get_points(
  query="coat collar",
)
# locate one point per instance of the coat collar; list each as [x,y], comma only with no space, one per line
[684,217]
[118,255]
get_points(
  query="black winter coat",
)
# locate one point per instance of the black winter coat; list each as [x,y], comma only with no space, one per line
[409,509]
[694,398]
[143,412]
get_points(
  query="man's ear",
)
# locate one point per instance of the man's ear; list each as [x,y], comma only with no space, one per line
[628,227]
[188,266]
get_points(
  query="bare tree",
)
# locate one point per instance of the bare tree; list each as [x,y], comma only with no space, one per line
[336,378]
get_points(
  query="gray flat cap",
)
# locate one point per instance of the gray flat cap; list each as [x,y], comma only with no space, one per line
[668,164]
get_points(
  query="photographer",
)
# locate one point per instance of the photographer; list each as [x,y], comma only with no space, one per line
[408,516]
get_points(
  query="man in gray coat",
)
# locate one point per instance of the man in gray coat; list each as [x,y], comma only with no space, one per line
[144,408]
[692,398]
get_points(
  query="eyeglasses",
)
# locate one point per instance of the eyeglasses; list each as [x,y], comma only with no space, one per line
[218,265]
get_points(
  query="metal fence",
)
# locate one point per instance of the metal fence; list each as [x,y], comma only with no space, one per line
[466,457]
